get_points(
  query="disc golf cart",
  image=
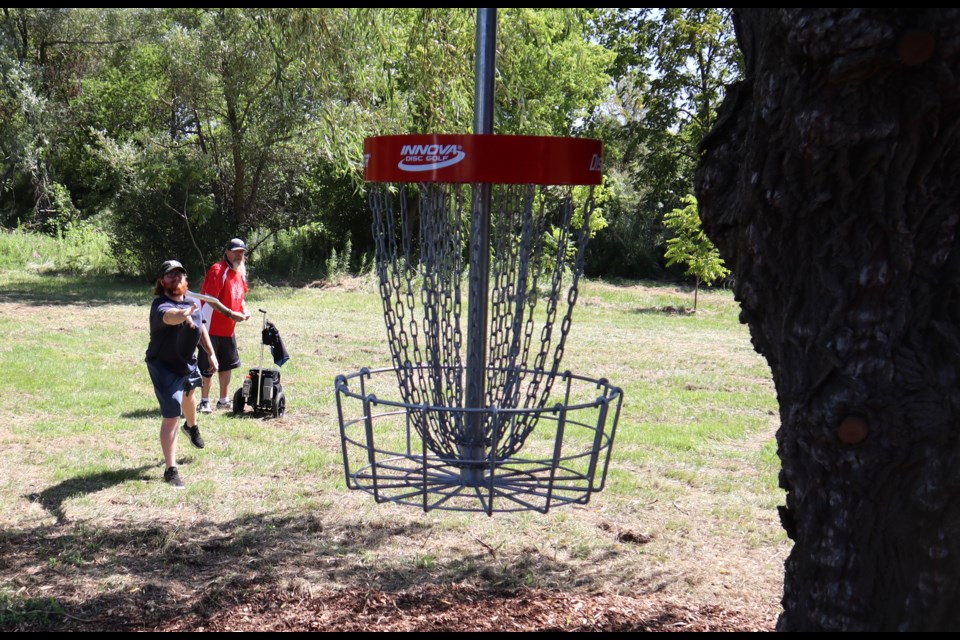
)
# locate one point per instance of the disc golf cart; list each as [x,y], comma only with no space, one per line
[261,388]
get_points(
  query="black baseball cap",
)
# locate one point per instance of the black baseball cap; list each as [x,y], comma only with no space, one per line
[171,265]
[235,244]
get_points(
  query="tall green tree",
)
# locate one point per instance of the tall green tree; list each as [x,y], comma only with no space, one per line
[201,123]
[261,111]
[263,95]
[691,247]
[550,72]
[670,71]
[44,56]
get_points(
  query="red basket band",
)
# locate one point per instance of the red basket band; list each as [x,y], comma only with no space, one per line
[482,158]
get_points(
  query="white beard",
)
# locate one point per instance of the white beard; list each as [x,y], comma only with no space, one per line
[240,267]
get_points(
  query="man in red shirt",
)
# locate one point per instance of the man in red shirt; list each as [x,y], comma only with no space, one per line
[227,281]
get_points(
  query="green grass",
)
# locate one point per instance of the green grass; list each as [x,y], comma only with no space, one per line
[79,248]
[15,610]
[84,511]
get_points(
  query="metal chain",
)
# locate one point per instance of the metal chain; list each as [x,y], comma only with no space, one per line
[420,258]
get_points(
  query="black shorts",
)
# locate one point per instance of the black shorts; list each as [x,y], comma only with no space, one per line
[228,357]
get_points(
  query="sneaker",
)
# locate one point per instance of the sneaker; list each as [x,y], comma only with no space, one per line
[171,477]
[194,433]
[204,407]
[225,404]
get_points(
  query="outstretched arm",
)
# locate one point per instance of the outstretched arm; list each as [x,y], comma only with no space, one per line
[180,316]
[236,316]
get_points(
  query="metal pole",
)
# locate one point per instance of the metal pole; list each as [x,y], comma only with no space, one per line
[472,448]
[484,70]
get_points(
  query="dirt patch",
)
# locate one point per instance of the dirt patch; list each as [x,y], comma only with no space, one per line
[305,574]
[627,536]
[451,608]
[343,283]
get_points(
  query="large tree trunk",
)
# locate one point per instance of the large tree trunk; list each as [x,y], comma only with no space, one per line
[831,185]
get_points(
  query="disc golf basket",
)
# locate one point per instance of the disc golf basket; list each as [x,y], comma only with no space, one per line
[475,413]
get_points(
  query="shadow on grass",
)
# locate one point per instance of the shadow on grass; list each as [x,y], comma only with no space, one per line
[144,576]
[249,414]
[142,413]
[667,310]
[52,499]
[89,290]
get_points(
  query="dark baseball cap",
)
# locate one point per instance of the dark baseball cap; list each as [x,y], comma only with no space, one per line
[171,265]
[235,244]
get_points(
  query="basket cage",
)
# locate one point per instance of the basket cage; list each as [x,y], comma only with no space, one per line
[517,432]
[562,462]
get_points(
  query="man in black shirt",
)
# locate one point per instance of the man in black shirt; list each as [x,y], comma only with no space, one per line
[176,329]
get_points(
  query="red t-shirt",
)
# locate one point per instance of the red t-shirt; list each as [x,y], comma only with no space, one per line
[228,286]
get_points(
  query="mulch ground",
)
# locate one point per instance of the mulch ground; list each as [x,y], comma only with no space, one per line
[453,608]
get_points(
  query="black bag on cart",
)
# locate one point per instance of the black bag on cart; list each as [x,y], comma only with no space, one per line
[262,389]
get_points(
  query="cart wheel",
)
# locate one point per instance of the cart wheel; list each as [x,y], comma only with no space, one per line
[279,404]
[238,402]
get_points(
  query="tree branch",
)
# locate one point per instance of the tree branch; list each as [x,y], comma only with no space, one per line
[87,42]
[186,220]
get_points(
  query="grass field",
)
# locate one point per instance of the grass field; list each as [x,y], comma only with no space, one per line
[90,531]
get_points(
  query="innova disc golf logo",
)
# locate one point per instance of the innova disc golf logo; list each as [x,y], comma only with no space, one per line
[428,157]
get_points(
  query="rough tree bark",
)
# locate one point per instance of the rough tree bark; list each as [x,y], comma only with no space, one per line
[831,185]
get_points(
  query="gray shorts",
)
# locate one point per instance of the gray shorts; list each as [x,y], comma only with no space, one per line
[170,387]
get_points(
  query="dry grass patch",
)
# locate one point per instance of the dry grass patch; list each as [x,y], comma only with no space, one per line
[687,520]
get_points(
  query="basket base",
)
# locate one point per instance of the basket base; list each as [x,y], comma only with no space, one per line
[563,460]
[433,483]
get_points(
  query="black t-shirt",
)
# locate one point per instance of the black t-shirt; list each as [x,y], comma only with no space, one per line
[174,345]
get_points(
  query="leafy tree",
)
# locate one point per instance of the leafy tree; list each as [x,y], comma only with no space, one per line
[549,71]
[29,127]
[691,247]
[158,199]
[262,95]
[669,73]
[45,56]
[829,184]
[430,70]
[263,110]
